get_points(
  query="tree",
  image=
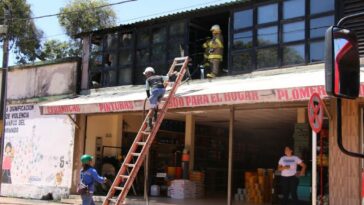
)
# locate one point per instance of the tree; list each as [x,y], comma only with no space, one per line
[24,37]
[86,15]
[55,49]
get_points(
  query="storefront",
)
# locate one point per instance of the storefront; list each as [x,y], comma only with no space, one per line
[247,126]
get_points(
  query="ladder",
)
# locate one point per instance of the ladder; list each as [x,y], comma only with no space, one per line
[142,142]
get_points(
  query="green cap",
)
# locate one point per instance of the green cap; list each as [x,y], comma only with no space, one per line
[86,158]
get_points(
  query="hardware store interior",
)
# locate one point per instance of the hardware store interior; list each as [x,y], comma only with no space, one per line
[259,138]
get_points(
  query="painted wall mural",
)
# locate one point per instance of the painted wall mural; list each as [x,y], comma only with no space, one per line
[38,153]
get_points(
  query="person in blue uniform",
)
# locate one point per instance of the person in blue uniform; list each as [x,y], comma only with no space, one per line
[88,177]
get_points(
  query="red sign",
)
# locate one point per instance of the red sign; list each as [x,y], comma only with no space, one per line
[316,112]
[198,100]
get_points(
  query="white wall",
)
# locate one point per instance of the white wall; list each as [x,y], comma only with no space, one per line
[41,81]
[42,153]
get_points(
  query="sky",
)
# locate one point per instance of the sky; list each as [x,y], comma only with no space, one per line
[128,12]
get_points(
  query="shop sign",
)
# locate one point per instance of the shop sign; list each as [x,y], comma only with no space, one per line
[315,112]
[201,100]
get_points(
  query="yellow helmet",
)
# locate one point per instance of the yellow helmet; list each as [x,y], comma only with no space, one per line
[215,28]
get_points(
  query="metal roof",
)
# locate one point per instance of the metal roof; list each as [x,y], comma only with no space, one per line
[175,13]
[183,11]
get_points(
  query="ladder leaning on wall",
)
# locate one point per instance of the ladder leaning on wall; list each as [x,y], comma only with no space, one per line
[143,141]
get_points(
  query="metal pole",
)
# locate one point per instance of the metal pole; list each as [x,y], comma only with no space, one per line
[314,167]
[3,88]
[231,146]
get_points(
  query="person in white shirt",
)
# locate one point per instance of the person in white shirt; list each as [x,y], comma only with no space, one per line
[289,175]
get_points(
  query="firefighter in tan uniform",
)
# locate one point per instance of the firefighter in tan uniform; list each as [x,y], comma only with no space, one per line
[206,47]
[216,46]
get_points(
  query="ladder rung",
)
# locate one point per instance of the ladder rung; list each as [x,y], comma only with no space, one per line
[141,143]
[113,200]
[180,58]
[179,64]
[135,154]
[145,133]
[130,165]
[124,176]
[119,188]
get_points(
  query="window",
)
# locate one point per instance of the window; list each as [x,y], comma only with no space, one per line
[142,56]
[243,40]
[294,31]
[159,53]
[293,8]
[243,19]
[294,54]
[177,28]
[125,57]
[125,76]
[268,36]
[268,13]
[267,57]
[242,61]
[159,35]
[317,51]
[143,39]
[126,40]
[318,26]
[322,6]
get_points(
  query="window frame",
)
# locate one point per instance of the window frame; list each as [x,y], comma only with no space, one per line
[306,18]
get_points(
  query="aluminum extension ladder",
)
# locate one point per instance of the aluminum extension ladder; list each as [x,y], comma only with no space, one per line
[140,147]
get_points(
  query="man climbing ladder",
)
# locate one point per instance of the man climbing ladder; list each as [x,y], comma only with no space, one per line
[155,92]
[141,145]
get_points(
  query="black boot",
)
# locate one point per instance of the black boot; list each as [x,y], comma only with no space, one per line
[149,125]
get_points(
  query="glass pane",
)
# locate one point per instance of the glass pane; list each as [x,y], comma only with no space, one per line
[159,35]
[293,8]
[268,13]
[243,19]
[139,78]
[125,57]
[112,41]
[322,6]
[174,50]
[243,40]
[294,31]
[317,51]
[159,53]
[319,26]
[267,57]
[112,59]
[143,39]
[109,78]
[242,62]
[177,28]
[294,54]
[267,36]
[125,76]
[126,40]
[142,56]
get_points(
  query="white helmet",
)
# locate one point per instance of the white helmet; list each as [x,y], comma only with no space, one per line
[148,70]
[215,28]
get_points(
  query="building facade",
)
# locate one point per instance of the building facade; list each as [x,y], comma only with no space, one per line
[273,63]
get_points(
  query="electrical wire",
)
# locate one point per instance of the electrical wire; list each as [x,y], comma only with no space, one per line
[57,14]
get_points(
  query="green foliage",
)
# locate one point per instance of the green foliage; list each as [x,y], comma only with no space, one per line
[55,49]
[25,38]
[84,15]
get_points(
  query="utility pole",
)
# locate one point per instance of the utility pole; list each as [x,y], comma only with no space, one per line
[5,33]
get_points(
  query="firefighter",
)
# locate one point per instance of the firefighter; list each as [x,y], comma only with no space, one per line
[206,53]
[216,50]
[155,91]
